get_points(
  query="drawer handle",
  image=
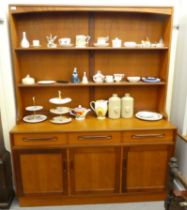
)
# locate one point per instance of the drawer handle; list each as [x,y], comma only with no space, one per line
[155,135]
[40,139]
[94,137]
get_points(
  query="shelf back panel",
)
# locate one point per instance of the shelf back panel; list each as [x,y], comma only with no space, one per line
[53,65]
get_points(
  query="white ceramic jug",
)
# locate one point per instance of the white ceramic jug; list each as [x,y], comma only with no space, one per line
[100,108]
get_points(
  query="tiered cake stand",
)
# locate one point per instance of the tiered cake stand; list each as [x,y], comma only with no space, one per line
[34,118]
[60,110]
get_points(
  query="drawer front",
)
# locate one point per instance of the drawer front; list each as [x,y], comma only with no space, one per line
[39,139]
[148,136]
[94,138]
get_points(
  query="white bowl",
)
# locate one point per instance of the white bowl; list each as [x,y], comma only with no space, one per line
[133,79]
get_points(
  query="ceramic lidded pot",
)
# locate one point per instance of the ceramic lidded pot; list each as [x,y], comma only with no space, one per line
[28,80]
[79,112]
[98,77]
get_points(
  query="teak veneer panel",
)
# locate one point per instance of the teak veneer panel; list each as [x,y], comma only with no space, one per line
[22,8]
[147,167]
[92,124]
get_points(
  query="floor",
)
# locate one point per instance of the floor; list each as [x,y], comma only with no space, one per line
[126,206]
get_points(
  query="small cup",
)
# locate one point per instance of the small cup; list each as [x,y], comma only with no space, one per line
[109,79]
[36,43]
[64,41]
[118,77]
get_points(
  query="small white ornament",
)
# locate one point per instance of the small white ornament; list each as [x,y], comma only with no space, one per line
[24,42]
[51,39]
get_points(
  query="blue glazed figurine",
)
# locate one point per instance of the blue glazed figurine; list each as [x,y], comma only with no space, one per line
[75,76]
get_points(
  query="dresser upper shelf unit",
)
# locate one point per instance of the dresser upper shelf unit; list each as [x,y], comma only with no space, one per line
[129,24]
[89,48]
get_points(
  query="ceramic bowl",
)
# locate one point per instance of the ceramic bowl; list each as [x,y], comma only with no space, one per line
[133,79]
[118,77]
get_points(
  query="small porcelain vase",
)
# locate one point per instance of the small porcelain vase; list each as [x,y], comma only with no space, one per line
[24,42]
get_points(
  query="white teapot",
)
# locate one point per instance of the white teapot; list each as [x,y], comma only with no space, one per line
[100,108]
[98,77]
[80,112]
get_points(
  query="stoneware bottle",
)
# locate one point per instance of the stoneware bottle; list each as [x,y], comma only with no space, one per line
[127,106]
[24,42]
[114,107]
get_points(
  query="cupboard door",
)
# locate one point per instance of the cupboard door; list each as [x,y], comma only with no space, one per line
[95,170]
[40,171]
[146,167]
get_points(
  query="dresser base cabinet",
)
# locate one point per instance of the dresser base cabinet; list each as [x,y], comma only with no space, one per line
[81,167]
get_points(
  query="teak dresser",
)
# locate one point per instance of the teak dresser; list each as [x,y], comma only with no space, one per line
[92,161]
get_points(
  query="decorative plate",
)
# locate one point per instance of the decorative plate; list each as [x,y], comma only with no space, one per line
[34,118]
[33,108]
[150,116]
[46,82]
[150,79]
[61,120]
[59,100]
[60,110]
[101,45]
[66,45]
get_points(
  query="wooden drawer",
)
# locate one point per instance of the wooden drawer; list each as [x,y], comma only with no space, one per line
[148,136]
[94,138]
[42,139]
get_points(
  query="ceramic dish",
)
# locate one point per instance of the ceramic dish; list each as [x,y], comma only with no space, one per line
[34,118]
[61,120]
[101,45]
[133,79]
[150,79]
[33,108]
[150,116]
[67,45]
[60,110]
[45,82]
[130,44]
[59,100]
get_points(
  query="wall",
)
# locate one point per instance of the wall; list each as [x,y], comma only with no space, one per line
[7,100]
[179,102]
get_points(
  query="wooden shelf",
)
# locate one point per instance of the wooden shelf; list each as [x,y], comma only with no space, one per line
[90,48]
[92,84]
[93,124]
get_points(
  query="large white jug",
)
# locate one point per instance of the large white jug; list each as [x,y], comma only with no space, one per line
[100,108]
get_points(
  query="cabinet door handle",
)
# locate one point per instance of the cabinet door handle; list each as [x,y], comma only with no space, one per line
[40,139]
[155,135]
[94,137]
